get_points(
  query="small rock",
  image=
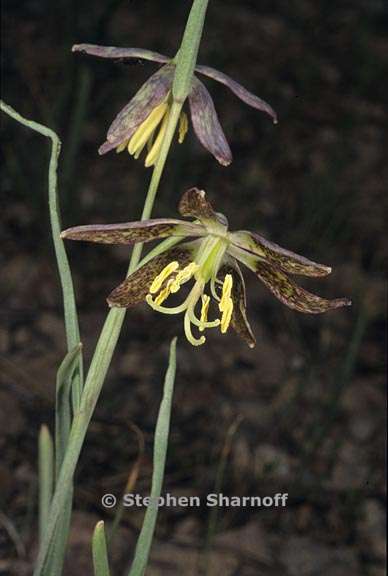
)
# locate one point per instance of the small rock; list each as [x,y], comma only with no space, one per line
[241,457]
[377,571]
[362,427]
[52,326]
[270,461]
[302,556]
[372,529]
[6,484]
[171,560]
[188,530]
[11,416]
[351,470]
[249,541]
[4,341]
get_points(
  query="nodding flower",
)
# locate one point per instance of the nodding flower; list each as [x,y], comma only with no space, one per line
[209,263]
[143,121]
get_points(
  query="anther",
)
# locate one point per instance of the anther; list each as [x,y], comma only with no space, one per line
[146,129]
[204,311]
[226,304]
[183,276]
[183,127]
[162,276]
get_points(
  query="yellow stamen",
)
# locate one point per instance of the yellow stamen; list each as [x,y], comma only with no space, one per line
[163,294]
[153,154]
[122,146]
[197,322]
[165,309]
[138,152]
[150,142]
[213,288]
[145,130]
[183,127]
[226,303]
[183,276]
[189,335]
[204,311]
[161,277]
[172,277]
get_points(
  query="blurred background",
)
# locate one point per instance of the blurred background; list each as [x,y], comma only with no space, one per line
[304,412]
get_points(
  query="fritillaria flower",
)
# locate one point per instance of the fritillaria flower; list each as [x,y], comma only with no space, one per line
[143,121]
[210,262]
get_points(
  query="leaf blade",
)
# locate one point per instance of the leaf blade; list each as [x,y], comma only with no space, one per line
[100,551]
[46,476]
[162,429]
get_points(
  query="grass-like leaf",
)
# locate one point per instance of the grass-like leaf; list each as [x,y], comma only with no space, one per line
[70,310]
[62,410]
[56,536]
[100,552]
[160,450]
[46,477]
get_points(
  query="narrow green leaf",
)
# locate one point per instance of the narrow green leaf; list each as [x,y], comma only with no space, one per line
[62,410]
[54,535]
[64,383]
[96,375]
[70,310]
[100,552]
[99,366]
[101,361]
[57,550]
[160,450]
[46,477]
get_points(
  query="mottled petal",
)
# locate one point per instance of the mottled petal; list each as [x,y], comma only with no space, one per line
[194,204]
[293,295]
[119,53]
[286,290]
[280,257]
[238,90]
[239,318]
[133,232]
[150,95]
[135,288]
[206,124]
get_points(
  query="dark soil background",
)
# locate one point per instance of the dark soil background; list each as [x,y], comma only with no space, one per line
[304,412]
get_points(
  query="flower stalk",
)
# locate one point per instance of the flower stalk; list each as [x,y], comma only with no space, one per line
[100,364]
[111,330]
[188,52]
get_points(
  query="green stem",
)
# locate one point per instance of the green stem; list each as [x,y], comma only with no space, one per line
[111,330]
[70,310]
[188,52]
[100,364]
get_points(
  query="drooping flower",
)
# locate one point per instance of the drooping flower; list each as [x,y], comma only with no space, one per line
[210,262]
[143,121]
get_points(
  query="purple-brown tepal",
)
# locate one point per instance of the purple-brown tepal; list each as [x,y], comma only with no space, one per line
[143,121]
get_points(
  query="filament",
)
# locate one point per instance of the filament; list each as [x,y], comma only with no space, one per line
[145,130]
